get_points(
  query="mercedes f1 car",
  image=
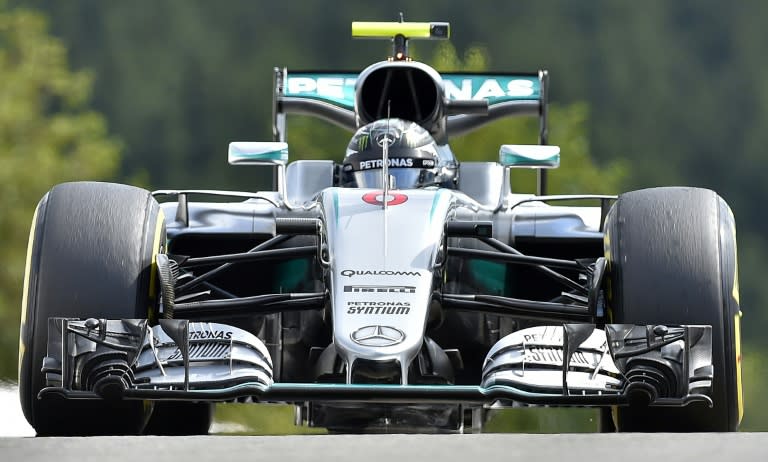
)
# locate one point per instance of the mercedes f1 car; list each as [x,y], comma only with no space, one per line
[398,290]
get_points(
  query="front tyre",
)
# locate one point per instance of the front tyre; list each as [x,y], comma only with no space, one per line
[672,260]
[91,253]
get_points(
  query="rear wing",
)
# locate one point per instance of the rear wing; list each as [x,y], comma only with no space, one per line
[331,96]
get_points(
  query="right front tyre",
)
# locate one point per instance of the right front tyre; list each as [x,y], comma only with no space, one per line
[91,253]
[672,260]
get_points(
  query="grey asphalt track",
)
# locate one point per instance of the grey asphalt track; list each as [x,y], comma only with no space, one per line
[395,448]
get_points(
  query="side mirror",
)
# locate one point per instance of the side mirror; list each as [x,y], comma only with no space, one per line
[529,156]
[258,153]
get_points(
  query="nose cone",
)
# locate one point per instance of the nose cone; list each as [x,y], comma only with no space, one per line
[382,271]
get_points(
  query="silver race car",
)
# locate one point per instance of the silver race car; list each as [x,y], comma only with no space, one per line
[398,290]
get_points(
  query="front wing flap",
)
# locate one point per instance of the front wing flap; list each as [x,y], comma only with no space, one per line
[572,364]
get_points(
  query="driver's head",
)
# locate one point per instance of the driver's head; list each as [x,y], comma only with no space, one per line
[414,159]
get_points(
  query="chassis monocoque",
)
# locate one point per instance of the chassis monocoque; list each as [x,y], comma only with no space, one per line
[381,309]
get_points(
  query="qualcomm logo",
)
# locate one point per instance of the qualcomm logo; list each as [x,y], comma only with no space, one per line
[378,336]
[350,273]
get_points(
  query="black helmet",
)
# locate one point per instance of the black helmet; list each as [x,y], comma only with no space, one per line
[415,160]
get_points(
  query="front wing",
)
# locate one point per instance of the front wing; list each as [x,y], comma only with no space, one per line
[572,364]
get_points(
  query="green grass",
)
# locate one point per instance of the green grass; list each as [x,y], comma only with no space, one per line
[259,419]
[543,420]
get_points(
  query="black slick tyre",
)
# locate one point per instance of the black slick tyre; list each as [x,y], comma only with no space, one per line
[672,260]
[91,253]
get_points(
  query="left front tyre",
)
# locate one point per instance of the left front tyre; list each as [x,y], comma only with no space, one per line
[91,253]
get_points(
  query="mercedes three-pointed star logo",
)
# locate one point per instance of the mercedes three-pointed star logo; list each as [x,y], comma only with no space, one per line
[389,138]
[378,336]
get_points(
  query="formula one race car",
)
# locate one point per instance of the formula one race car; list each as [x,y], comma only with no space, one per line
[399,290]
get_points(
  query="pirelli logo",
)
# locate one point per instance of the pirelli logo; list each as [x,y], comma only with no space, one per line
[381,289]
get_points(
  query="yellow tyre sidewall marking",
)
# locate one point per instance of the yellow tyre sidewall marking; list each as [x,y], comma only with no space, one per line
[607,281]
[737,337]
[737,319]
[25,293]
[155,250]
[156,245]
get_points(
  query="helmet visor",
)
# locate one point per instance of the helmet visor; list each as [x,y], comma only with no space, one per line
[405,178]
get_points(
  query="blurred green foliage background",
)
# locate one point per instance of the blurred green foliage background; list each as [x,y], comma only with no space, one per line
[150,93]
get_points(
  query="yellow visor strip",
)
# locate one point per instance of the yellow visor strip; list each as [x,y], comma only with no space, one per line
[418,30]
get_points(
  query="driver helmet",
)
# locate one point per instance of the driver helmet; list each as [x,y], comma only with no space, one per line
[415,159]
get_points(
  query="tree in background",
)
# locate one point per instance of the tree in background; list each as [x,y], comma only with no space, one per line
[47,136]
